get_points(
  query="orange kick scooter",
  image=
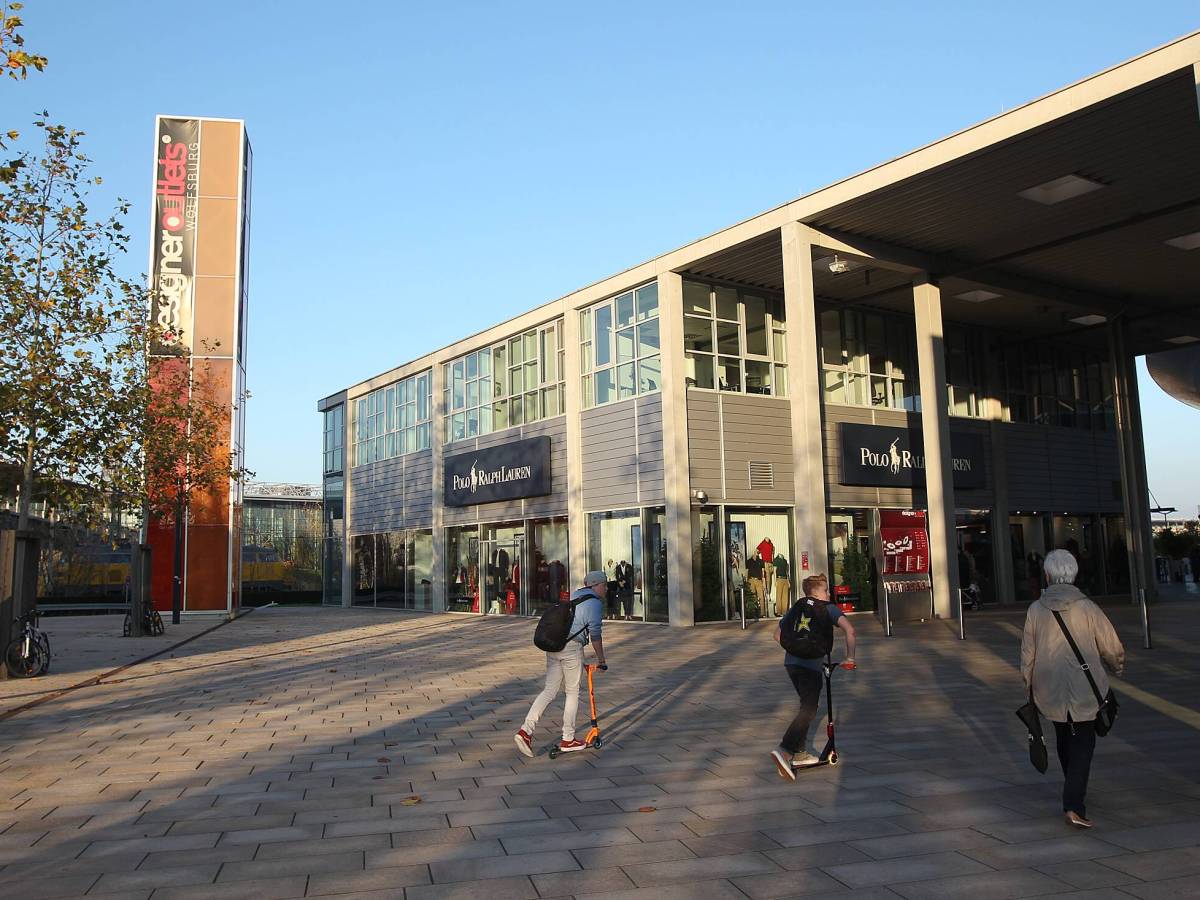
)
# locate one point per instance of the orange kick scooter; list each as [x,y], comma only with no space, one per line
[592,741]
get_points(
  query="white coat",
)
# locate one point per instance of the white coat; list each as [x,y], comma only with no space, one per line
[1060,686]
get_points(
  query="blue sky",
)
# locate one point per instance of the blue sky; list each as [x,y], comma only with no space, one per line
[425,170]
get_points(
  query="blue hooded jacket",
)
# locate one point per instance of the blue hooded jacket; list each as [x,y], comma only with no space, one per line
[589,617]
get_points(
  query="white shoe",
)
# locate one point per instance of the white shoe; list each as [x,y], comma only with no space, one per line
[803,759]
[783,765]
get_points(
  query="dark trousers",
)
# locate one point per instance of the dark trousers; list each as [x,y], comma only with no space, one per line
[1076,744]
[808,686]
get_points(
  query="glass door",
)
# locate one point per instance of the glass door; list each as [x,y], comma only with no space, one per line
[502,560]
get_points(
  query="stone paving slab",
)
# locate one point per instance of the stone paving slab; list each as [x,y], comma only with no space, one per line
[364,754]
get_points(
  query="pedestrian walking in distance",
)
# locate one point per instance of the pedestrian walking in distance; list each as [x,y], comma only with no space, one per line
[564,667]
[1060,686]
[813,620]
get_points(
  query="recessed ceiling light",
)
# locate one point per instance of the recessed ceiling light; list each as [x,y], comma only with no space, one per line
[1060,189]
[1091,319]
[977,296]
[1186,241]
[1183,339]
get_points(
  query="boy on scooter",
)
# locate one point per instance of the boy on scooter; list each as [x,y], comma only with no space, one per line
[814,619]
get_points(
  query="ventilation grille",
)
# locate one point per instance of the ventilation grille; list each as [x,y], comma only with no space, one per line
[762,476]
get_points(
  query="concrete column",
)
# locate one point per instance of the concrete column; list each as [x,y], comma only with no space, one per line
[437,434]
[804,387]
[1135,494]
[681,608]
[1006,591]
[935,430]
[347,497]
[573,405]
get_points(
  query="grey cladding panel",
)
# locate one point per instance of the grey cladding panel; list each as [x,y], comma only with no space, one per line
[609,456]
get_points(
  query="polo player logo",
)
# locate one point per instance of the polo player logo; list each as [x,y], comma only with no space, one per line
[894,455]
[474,477]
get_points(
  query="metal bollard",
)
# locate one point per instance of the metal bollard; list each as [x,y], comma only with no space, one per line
[1146,642]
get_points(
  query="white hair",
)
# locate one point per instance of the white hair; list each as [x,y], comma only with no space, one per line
[1060,567]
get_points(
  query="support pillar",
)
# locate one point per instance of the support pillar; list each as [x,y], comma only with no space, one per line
[1002,559]
[576,518]
[935,430]
[804,370]
[1135,493]
[437,434]
[681,608]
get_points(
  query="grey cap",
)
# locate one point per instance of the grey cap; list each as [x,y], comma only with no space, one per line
[595,577]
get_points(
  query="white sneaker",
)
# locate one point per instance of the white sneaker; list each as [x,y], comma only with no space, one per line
[783,765]
[804,758]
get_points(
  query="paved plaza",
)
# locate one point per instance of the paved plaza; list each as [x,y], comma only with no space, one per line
[314,752]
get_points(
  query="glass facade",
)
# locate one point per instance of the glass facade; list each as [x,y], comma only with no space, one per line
[333,538]
[734,340]
[620,347]
[852,572]
[335,437]
[393,420]
[868,359]
[393,569]
[629,546]
[510,383]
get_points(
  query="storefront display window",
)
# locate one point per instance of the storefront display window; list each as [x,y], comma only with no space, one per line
[502,558]
[462,569]
[976,566]
[853,572]
[708,585]
[1078,535]
[549,555]
[333,539]
[623,544]
[362,550]
[1028,542]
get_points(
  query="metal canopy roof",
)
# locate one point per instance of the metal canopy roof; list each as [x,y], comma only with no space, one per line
[964,220]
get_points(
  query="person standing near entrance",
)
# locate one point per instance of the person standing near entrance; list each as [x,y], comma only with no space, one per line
[565,668]
[1060,687]
[807,677]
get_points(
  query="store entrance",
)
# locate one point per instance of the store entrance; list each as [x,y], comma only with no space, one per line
[502,556]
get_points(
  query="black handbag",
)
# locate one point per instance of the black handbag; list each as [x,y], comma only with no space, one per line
[1106,715]
[1037,741]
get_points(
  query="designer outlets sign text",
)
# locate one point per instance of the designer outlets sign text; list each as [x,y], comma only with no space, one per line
[507,472]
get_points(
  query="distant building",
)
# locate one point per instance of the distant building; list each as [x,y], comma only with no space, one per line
[281,550]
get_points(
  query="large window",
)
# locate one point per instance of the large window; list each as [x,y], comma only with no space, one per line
[510,383]
[335,436]
[393,420]
[1056,385]
[734,340]
[619,347]
[630,547]
[393,569]
[868,360]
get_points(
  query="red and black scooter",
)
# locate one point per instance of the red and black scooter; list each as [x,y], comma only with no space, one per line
[829,756]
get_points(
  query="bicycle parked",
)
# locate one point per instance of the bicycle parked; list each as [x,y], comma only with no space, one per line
[152,622]
[28,655]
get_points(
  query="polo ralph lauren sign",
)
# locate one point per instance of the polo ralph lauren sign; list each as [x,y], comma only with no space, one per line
[507,472]
[885,456]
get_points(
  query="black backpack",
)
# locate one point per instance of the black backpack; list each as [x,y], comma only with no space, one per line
[807,629]
[553,631]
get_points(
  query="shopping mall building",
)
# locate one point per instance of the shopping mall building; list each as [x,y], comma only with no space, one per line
[919,378]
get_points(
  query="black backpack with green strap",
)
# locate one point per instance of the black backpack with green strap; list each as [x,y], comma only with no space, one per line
[807,629]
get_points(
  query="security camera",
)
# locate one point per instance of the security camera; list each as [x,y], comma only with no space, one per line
[838,266]
[700,497]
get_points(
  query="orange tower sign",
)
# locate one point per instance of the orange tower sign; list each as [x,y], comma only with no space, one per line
[199,255]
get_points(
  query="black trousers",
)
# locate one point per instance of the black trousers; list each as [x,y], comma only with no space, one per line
[808,686]
[1076,745]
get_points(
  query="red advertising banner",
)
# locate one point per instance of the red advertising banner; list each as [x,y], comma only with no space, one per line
[905,541]
[173,235]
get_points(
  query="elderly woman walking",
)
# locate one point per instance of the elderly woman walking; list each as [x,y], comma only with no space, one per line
[1060,686]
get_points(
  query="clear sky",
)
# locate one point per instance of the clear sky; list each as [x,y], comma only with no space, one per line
[424,170]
